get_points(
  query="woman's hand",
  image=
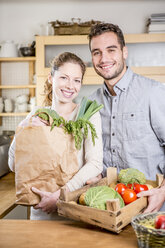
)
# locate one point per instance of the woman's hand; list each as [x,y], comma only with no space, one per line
[156,198]
[36,121]
[48,200]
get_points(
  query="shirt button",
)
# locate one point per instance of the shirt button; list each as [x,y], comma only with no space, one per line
[113,150]
[132,115]
[113,117]
[113,134]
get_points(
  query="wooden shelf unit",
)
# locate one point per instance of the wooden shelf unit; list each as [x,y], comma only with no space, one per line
[13,114]
[154,72]
[31,86]
[17,59]
[144,38]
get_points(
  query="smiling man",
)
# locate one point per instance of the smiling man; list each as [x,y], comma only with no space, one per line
[108,57]
[133,115]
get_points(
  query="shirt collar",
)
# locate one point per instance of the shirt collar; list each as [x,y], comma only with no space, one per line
[123,83]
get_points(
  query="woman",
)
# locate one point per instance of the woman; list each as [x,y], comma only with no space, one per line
[62,87]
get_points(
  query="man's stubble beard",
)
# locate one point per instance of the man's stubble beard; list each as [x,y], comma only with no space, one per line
[114,75]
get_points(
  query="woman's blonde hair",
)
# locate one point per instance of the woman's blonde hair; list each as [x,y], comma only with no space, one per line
[57,62]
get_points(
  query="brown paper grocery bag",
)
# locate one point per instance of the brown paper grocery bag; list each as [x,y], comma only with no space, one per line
[44,159]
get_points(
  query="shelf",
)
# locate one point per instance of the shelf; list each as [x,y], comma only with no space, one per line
[144,38]
[13,114]
[18,59]
[160,70]
[62,40]
[83,39]
[29,86]
[154,72]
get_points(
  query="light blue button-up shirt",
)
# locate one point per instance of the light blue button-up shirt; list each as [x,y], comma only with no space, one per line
[133,124]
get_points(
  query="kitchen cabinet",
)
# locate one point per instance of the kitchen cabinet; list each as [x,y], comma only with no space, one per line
[30,86]
[7,194]
[66,42]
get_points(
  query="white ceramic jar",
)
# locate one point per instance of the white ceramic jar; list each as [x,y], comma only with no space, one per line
[8,105]
[22,107]
[1,107]
[8,49]
[22,99]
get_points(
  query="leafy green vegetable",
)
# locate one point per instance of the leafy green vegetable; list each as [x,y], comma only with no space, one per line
[131,175]
[88,108]
[78,128]
[96,197]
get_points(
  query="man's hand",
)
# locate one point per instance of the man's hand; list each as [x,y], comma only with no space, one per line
[48,200]
[94,179]
[156,198]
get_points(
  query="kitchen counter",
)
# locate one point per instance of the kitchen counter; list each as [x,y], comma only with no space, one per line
[7,194]
[61,234]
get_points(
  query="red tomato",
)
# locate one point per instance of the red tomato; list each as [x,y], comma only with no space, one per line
[139,188]
[128,196]
[130,185]
[160,222]
[120,187]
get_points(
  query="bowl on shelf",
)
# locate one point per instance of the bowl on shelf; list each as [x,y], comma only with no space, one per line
[147,235]
[27,51]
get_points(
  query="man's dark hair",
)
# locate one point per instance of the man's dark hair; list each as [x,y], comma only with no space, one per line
[101,28]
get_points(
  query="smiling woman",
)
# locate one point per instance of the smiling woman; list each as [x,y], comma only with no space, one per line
[62,87]
[65,82]
[66,85]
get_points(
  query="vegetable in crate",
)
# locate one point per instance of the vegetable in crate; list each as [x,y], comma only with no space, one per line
[128,196]
[131,175]
[97,197]
[120,187]
[82,199]
[160,222]
[78,128]
[139,187]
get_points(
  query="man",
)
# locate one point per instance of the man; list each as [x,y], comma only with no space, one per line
[133,118]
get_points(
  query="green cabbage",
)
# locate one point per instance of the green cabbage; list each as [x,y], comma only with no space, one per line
[96,197]
[131,175]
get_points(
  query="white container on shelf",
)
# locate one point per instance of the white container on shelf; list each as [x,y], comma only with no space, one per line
[8,105]
[8,49]
[22,107]
[1,107]
[22,99]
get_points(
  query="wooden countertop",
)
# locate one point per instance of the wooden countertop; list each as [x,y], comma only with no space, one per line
[61,234]
[7,194]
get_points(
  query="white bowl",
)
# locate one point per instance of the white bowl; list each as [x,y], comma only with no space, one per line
[22,99]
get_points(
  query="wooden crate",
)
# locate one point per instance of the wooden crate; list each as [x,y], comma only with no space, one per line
[114,218]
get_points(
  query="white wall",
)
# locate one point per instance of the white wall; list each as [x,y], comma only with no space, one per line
[20,20]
